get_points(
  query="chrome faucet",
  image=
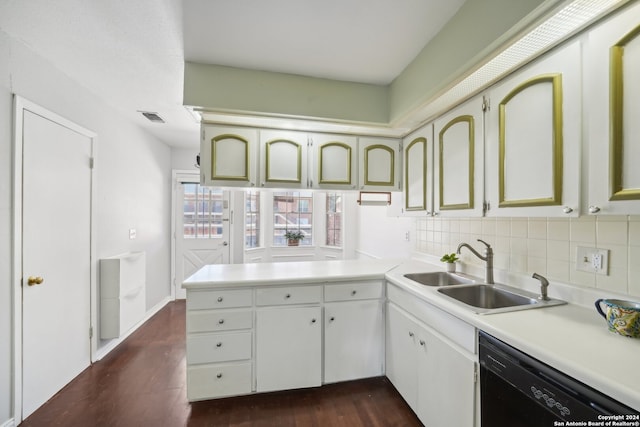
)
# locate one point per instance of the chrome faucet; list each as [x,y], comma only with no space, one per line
[487,258]
[544,284]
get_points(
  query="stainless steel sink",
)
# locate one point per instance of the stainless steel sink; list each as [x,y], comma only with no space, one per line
[440,278]
[488,299]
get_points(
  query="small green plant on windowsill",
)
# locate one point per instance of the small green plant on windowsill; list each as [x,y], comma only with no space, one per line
[450,260]
[293,237]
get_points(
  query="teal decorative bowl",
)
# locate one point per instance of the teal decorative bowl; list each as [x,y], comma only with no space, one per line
[623,317]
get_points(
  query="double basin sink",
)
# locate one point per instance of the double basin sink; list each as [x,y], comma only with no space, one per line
[480,297]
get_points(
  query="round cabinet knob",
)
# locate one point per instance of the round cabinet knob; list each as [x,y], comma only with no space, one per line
[331,319]
[221,321]
[220,299]
[594,209]
[411,334]
[287,296]
[422,343]
[34,280]
[567,210]
[313,320]
[219,376]
[219,345]
[353,293]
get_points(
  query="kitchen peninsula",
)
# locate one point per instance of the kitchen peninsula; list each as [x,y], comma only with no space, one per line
[274,326]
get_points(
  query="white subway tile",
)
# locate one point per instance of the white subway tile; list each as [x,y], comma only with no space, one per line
[537,228]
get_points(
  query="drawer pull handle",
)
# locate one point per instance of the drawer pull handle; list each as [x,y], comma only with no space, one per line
[220,299]
[287,296]
[422,343]
[219,376]
[353,293]
[221,321]
[219,344]
[411,334]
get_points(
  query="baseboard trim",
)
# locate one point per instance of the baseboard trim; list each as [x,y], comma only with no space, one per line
[8,423]
[109,346]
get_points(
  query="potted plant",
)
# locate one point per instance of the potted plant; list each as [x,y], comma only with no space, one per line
[450,260]
[293,237]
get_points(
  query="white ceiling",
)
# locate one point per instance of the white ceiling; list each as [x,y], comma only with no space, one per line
[365,41]
[132,53]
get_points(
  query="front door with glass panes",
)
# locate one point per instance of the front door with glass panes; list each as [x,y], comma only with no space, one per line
[202,230]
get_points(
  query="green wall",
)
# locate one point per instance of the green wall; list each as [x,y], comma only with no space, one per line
[226,88]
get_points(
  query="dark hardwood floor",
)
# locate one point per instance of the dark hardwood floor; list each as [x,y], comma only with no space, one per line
[142,383]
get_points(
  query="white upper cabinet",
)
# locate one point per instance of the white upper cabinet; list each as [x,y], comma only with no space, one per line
[533,138]
[418,172]
[283,159]
[612,97]
[379,164]
[333,161]
[459,163]
[228,156]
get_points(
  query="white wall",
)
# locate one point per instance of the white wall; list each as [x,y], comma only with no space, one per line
[133,173]
[382,232]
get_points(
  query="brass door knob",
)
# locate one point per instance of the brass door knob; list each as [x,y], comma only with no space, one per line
[34,280]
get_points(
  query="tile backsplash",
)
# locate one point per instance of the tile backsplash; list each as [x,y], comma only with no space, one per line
[544,245]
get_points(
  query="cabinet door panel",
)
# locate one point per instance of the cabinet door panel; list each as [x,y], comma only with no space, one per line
[353,340]
[418,171]
[612,67]
[284,159]
[335,161]
[534,138]
[459,168]
[401,355]
[379,160]
[228,156]
[288,348]
[446,396]
[530,120]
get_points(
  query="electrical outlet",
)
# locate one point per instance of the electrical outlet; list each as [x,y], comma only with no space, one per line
[592,260]
[132,233]
[407,236]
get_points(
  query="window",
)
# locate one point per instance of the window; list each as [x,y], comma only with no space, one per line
[334,220]
[252,220]
[202,212]
[292,211]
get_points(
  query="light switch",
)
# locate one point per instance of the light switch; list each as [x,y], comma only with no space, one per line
[132,233]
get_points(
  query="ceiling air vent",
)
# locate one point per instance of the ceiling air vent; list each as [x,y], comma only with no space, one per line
[153,117]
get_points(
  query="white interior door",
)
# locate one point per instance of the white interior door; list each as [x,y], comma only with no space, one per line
[202,230]
[56,256]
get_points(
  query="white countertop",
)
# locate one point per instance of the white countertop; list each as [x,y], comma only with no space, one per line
[278,273]
[571,338]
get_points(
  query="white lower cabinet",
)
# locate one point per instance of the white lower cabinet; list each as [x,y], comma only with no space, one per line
[288,348]
[446,383]
[352,340]
[402,354]
[436,377]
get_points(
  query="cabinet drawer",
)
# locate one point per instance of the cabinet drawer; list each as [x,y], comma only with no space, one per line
[218,320]
[353,291]
[199,300]
[211,348]
[209,381]
[289,295]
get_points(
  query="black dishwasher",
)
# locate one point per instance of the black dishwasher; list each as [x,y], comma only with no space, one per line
[520,391]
